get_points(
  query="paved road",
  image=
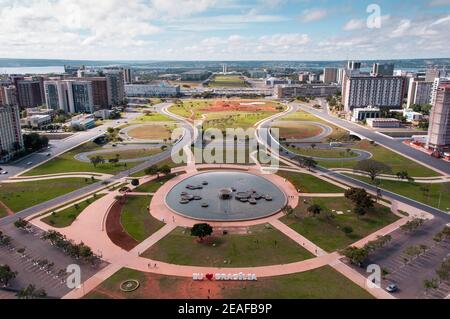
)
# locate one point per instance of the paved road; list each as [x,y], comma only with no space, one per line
[380,139]
[60,146]
[268,140]
[185,140]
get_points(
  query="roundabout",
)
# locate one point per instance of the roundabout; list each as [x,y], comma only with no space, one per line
[225,196]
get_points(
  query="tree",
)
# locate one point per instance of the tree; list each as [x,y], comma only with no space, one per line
[356,255]
[309,162]
[21,223]
[412,225]
[97,160]
[314,209]
[288,210]
[372,168]
[152,170]
[165,170]
[135,182]
[201,231]
[362,200]
[6,275]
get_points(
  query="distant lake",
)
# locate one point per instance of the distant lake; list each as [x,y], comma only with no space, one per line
[32,70]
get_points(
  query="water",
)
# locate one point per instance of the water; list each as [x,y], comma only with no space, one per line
[226,210]
[32,70]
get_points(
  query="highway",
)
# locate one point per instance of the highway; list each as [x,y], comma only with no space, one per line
[267,139]
[185,140]
[418,156]
[58,147]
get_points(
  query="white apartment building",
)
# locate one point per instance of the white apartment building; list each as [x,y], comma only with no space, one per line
[11,139]
[419,92]
[359,91]
[330,75]
[439,130]
[71,96]
[436,83]
[147,90]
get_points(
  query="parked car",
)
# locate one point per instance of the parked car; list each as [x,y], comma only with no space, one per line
[29,163]
[392,288]
[4,172]
[48,154]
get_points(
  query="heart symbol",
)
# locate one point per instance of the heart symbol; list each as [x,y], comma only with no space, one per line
[209,276]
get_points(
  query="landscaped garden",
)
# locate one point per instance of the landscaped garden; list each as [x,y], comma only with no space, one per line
[152,132]
[295,130]
[152,117]
[22,195]
[261,246]
[335,225]
[154,185]
[323,282]
[228,81]
[323,152]
[136,219]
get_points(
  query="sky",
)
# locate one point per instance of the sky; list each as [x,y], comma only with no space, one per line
[224,29]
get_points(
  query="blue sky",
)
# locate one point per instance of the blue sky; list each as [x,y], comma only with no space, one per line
[223,29]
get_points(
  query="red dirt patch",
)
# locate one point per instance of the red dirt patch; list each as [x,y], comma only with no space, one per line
[115,230]
[8,211]
[239,105]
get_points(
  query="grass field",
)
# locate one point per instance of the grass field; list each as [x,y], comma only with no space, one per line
[328,233]
[130,154]
[167,161]
[262,246]
[293,130]
[228,81]
[307,183]
[22,195]
[3,212]
[321,283]
[324,153]
[153,186]
[151,132]
[67,163]
[153,117]
[67,216]
[136,220]
[235,119]
[394,160]
[436,195]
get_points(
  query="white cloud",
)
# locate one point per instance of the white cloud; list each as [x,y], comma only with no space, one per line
[354,24]
[310,15]
[437,3]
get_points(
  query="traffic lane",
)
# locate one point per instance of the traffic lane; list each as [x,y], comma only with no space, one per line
[381,139]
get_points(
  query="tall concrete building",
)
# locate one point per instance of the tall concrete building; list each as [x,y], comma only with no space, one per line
[29,93]
[340,76]
[71,96]
[439,130]
[8,95]
[330,75]
[436,83]
[56,97]
[359,91]
[128,75]
[11,139]
[432,74]
[386,69]
[99,92]
[353,65]
[116,87]
[419,92]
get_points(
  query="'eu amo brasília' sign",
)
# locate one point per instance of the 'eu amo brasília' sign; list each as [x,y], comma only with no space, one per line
[225,277]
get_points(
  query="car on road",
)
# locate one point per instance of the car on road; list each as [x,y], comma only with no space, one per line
[392,288]
[29,163]
[4,173]
[48,154]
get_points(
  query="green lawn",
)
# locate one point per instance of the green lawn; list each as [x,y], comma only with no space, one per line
[236,119]
[167,161]
[321,283]
[130,154]
[261,247]
[228,81]
[136,220]
[307,183]
[67,163]
[19,196]
[323,153]
[438,195]
[2,212]
[153,186]
[153,117]
[328,233]
[67,216]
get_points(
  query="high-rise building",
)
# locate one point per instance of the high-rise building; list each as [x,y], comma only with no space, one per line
[436,83]
[99,92]
[340,76]
[11,139]
[359,91]
[72,96]
[128,75]
[29,93]
[432,74]
[353,65]
[386,69]
[439,130]
[419,92]
[116,87]
[330,75]
[56,96]
[8,95]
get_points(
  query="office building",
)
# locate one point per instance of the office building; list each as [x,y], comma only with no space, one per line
[353,65]
[436,83]
[340,76]
[29,93]
[36,121]
[99,92]
[432,74]
[305,90]
[83,122]
[419,92]
[439,130]
[330,75]
[362,114]
[257,74]
[383,123]
[128,75]
[386,69]
[11,140]
[359,91]
[71,96]
[148,90]
[8,95]
[195,75]
[115,86]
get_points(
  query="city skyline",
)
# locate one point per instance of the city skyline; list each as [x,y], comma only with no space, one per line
[224,30]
